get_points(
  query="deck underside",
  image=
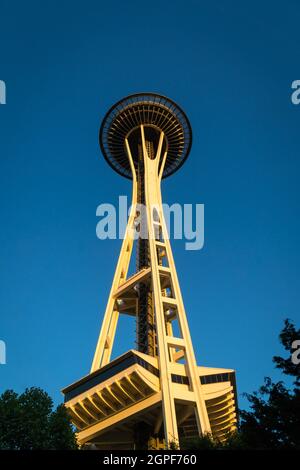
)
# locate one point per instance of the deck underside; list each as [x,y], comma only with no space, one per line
[120,406]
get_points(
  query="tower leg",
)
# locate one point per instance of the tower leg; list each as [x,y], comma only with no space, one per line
[110,320]
[158,237]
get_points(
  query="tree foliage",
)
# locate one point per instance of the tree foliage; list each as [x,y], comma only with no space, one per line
[273,421]
[28,421]
[274,417]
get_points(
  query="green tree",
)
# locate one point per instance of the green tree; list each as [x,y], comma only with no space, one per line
[61,431]
[287,337]
[273,421]
[28,421]
[274,417]
[205,442]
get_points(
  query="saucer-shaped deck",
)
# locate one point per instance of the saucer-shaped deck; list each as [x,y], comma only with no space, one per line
[148,109]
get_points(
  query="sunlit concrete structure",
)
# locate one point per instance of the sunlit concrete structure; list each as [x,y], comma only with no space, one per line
[155,394]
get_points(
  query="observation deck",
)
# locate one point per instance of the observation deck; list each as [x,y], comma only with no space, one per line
[153,111]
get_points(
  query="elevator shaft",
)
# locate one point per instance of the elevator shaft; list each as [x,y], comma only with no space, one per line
[146,332]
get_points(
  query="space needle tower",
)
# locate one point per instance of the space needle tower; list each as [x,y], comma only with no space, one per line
[153,396]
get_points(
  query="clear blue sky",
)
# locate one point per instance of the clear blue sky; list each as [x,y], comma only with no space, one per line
[230,66]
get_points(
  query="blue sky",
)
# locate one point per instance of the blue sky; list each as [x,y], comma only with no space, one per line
[230,66]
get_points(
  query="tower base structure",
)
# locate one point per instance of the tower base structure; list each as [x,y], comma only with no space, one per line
[119,406]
